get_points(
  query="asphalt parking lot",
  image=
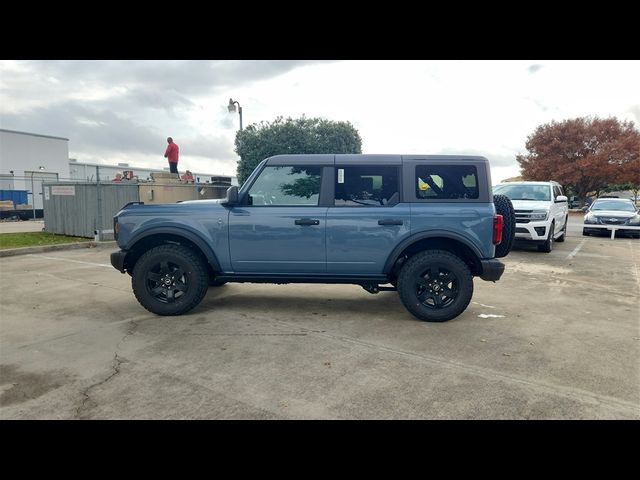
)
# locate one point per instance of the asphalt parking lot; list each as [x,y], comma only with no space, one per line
[558,337]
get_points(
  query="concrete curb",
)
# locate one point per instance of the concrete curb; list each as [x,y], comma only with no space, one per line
[11,252]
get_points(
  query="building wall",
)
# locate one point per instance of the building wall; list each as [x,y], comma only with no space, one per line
[25,153]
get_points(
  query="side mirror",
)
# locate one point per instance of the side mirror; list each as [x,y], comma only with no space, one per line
[584,209]
[561,198]
[232,196]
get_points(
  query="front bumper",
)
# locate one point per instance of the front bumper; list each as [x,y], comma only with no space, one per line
[492,270]
[607,231]
[117,260]
[536,231]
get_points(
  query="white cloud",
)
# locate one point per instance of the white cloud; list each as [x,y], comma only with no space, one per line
[480,107]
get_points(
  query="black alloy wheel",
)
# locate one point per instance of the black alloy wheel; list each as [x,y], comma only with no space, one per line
[170,279]
[166,282]
[435,285]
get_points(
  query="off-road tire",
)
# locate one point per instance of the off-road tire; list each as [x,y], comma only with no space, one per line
[177,257]
[547,246]
[426,264]
[504,207]
[564,231]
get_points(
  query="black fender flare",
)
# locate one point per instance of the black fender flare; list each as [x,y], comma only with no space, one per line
[196,239]
[407,242]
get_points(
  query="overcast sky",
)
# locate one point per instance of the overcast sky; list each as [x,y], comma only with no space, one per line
[122,111]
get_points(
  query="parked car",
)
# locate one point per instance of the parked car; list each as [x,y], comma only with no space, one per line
[424,224]
[541,209]
[614,212]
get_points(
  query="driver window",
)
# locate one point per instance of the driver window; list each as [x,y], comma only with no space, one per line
[286,185]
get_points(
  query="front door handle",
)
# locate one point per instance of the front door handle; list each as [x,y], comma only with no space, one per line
[307,221]
[389,221]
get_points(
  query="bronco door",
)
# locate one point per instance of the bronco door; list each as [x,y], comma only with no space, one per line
[366,220]
[280,227]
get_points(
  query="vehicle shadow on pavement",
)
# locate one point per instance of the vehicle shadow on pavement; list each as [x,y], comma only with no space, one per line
[244,299]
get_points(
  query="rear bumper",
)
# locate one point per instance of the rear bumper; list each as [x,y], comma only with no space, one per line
[117,260]
[492,269]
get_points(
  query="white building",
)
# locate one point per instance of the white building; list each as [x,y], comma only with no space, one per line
[28,159]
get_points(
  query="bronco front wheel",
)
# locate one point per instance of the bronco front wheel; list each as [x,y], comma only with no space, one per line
[170,280]
[435,285]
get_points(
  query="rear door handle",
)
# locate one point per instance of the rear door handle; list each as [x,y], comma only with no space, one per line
[390,221]
[307,221]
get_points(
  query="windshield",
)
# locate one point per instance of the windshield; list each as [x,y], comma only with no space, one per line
[524,192]
[612,205]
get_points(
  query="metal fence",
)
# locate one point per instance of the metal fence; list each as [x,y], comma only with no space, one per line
[85,209]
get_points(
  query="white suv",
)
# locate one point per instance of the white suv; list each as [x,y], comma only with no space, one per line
[542,211]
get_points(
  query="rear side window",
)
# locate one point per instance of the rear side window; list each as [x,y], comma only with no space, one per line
[557,191]
[359,186]
[446,182]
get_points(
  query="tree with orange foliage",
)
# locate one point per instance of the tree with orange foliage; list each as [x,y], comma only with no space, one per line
[584,153]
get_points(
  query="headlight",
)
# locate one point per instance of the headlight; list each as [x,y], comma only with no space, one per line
[590,218]
[635,220]
[538,215]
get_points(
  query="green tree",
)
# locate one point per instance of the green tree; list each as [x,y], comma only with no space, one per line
[585,154]
[292,136]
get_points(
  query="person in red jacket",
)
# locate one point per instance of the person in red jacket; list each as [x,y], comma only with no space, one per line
[171,153]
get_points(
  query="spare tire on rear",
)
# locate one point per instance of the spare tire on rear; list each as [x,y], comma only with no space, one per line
[504,207]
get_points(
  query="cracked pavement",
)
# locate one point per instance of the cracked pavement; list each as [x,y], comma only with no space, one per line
[558,337]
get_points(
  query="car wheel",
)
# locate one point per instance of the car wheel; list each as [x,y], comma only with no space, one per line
[170,280]
[435,286]
[564,231]
[547,246]
[504,207]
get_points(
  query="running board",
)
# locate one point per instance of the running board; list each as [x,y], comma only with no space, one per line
[356,280]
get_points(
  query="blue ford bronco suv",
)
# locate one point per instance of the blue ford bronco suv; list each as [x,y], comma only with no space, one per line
[423,225]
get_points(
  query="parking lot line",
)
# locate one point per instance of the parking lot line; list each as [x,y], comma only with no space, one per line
[634,268]
[70,260]
[576,250]
[489,374]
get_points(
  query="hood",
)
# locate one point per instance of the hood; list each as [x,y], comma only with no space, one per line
[530,204]
[164,209]
[612,213]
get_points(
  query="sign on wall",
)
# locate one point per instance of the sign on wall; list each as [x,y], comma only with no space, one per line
[63,190]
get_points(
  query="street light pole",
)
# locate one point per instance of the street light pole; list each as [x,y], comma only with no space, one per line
[232,108]
[33,196]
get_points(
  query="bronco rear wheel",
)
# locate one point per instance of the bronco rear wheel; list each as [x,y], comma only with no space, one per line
[170,280]
[435,285]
